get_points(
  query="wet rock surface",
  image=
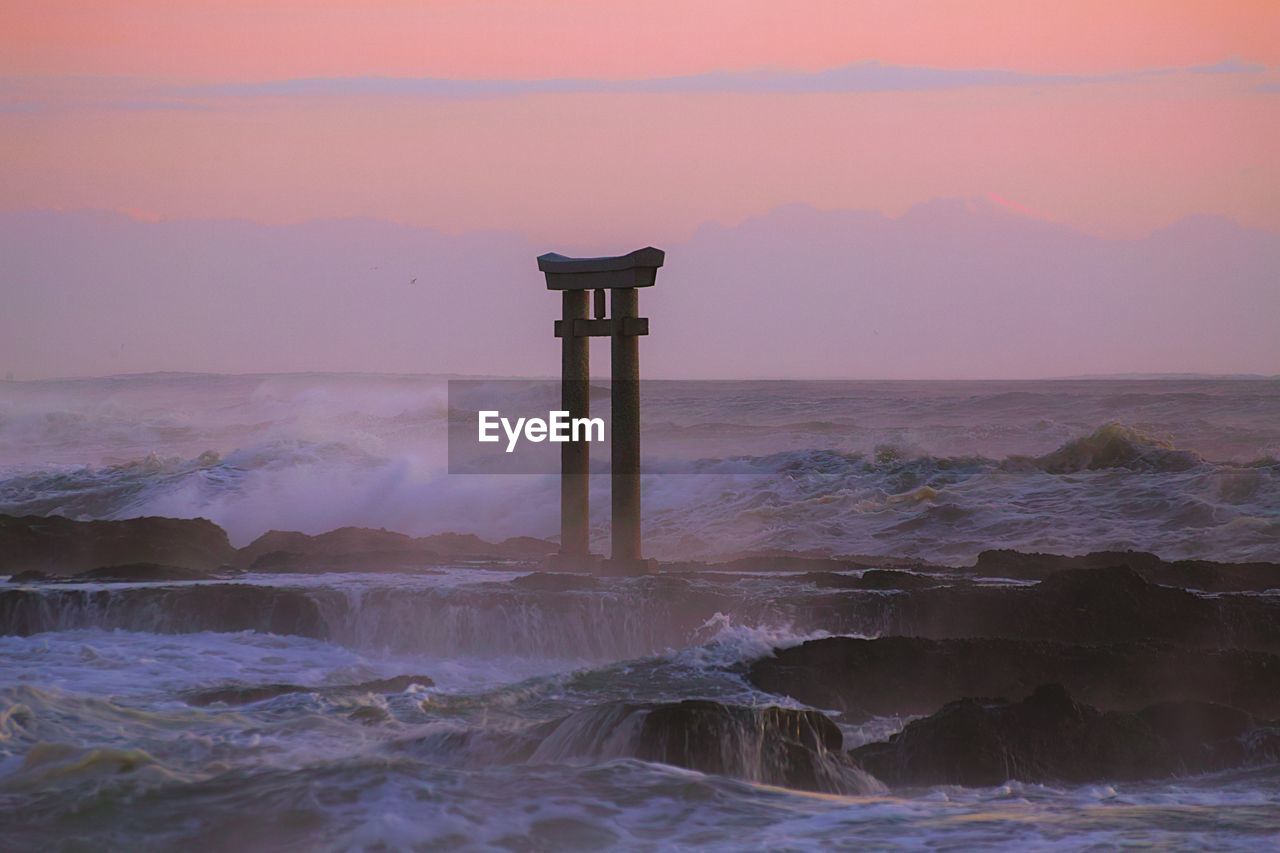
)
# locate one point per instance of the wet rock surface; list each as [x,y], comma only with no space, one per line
[364,549]
[904,676]
[246,694]
[1156,679]
[1107,605]
[1201,575]
[61,546]
[879,579]
[141,573]
[1050,737]
[32,576]
[793,748]
[785,561]
[556,582]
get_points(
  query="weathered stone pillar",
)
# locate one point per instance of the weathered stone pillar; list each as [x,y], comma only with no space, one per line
[624,394]
[575,456]
[621,276]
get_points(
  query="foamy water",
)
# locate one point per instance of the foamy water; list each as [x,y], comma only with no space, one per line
[939,470]
[100,747]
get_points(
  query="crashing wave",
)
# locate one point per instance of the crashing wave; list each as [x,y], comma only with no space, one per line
[1115,445]
[892,500]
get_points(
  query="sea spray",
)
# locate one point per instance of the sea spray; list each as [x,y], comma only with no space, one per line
[938,471]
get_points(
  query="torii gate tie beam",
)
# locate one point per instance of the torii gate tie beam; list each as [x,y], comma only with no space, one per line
[576,278]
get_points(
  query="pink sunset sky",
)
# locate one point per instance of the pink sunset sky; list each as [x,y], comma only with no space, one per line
[601,125]
[134,106]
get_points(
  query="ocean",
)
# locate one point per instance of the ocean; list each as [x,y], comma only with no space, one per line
[102,747]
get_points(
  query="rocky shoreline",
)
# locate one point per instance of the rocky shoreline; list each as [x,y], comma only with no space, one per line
[1031,667]
[57,547]
[1049,737]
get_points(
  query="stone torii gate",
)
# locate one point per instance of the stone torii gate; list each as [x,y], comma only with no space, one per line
[576,279]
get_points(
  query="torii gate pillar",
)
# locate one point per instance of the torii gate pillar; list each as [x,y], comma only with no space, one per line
[621,276]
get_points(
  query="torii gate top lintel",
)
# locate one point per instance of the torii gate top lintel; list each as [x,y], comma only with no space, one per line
[634,269]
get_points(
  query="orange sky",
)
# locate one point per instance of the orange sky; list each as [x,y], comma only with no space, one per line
[97,117]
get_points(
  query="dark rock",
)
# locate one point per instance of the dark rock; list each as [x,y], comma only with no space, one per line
[243,694]
[884,579]
[782,562]
[1188,574]
[464,546]
[1204,575]
[792,746]
[394,684]
[363,549]
[1004,563]
[893,579]
[775,746]
[903,676]
[247,694]
[1078,605]
[787,561]
[342,540]
[290,562]
[30,576]
[555,582]
[369,715]
[61,546]
[345,549]
[1112,602]
[1189,726]
[526,548]
[1049,737]
[139,572]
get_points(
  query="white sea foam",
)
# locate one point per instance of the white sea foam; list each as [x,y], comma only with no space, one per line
[98,742]
[933,470]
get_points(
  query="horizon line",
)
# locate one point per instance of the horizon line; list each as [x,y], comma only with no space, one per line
[1118,376]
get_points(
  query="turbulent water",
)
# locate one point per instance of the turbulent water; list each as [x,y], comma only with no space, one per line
[520,742]
[939,470]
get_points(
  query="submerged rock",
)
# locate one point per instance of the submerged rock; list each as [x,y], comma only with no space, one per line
[1113,604]
[369,715]
[61,546]
[902,676]
[243,694]
[1189,574]
[394,684]
[247,694]
[555,582]
[788,747]
[30,576]
[127,573]
[1049,737]
[799,563]
[292,562]
[364,549]
[885,579]
[140,572]
[778,746]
